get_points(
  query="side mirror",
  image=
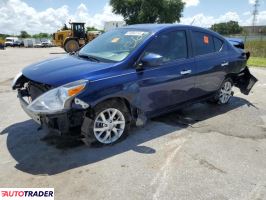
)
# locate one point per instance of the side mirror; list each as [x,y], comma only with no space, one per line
[150,60]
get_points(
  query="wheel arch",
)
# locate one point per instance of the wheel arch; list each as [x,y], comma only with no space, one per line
[69,38]
[125,101]
[232,76]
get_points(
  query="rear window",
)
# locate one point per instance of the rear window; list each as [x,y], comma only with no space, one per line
[203,43]
[218,44]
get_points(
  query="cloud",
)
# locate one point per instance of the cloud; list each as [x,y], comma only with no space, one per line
[247,13]
[96,20]
[251,1]
[229,16]
[191,2]
[261,18]
[206,21]
[198,20]
[16,15]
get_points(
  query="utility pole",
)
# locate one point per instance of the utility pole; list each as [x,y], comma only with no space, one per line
[255,14]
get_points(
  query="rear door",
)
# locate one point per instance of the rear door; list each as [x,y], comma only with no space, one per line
[210,59]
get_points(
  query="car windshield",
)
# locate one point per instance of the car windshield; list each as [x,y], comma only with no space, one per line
[114,45]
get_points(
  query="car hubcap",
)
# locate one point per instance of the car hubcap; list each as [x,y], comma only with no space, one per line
[109,126]
[226,92]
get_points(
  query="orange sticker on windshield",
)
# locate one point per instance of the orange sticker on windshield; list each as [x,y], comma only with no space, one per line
[115,40]
[206,39]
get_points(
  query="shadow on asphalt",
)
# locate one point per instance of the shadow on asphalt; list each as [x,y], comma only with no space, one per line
[36,156]
[58,53]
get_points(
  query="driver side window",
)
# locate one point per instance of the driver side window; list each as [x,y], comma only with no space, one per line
[171,46]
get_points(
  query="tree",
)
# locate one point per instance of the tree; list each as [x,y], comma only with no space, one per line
[4,35]
[92,28]
[24,34]
[227,28]
[148,11]
[41,35]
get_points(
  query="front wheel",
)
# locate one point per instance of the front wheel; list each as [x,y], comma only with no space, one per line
[71,46]
[111,123]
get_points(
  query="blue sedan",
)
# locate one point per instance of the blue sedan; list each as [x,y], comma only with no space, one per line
[130,74]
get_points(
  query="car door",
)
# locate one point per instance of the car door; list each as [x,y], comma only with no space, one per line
[172,81]
[210,60]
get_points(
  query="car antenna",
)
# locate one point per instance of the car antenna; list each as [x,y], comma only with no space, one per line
[192,21]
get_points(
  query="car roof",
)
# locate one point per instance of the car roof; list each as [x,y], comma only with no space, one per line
[153,27]
[158,27]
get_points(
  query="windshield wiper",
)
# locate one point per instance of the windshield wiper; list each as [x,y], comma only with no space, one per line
[89,57]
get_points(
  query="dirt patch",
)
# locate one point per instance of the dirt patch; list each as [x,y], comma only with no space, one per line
[207,164]
[6,82]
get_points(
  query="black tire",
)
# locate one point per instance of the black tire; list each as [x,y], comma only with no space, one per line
[217,97]
[71,46]
[89,134]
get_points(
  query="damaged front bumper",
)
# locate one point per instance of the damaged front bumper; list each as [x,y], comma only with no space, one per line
[24,104]
[60,122]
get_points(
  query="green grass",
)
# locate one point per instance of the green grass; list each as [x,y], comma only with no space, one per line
[256,48]
[257,62]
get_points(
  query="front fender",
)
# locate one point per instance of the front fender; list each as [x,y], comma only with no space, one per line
[122,86]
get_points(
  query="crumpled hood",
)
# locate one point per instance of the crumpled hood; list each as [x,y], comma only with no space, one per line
[62,70]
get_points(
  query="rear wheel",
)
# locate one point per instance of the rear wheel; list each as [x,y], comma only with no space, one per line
[71,46]
[111,123]
[225,92]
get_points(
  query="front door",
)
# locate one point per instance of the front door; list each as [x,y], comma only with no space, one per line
[171,82]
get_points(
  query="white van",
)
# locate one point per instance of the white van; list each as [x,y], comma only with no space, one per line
[10,41]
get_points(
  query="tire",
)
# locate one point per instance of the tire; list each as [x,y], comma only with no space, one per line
[71,46]
[106,125]
[224,94]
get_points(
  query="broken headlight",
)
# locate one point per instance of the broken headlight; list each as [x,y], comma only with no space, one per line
[57,99]
[15,80]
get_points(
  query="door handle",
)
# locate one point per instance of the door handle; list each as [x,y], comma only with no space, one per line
[225,64]
[184,72]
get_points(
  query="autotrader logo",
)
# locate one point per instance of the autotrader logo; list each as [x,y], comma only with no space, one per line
[27,193]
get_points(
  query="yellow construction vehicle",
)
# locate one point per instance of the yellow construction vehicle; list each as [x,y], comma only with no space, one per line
[71,40]
[2,43]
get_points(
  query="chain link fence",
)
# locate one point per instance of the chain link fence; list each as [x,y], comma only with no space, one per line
[255,44]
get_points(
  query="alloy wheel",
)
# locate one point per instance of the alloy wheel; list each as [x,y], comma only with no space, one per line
[225,92]
[109,125]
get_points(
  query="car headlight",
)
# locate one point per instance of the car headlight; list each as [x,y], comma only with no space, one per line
[57,99]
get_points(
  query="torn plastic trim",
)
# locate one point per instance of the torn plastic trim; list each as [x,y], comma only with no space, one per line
[83,104]
[245,81]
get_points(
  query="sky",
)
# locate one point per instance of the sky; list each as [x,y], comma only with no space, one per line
[36,16]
